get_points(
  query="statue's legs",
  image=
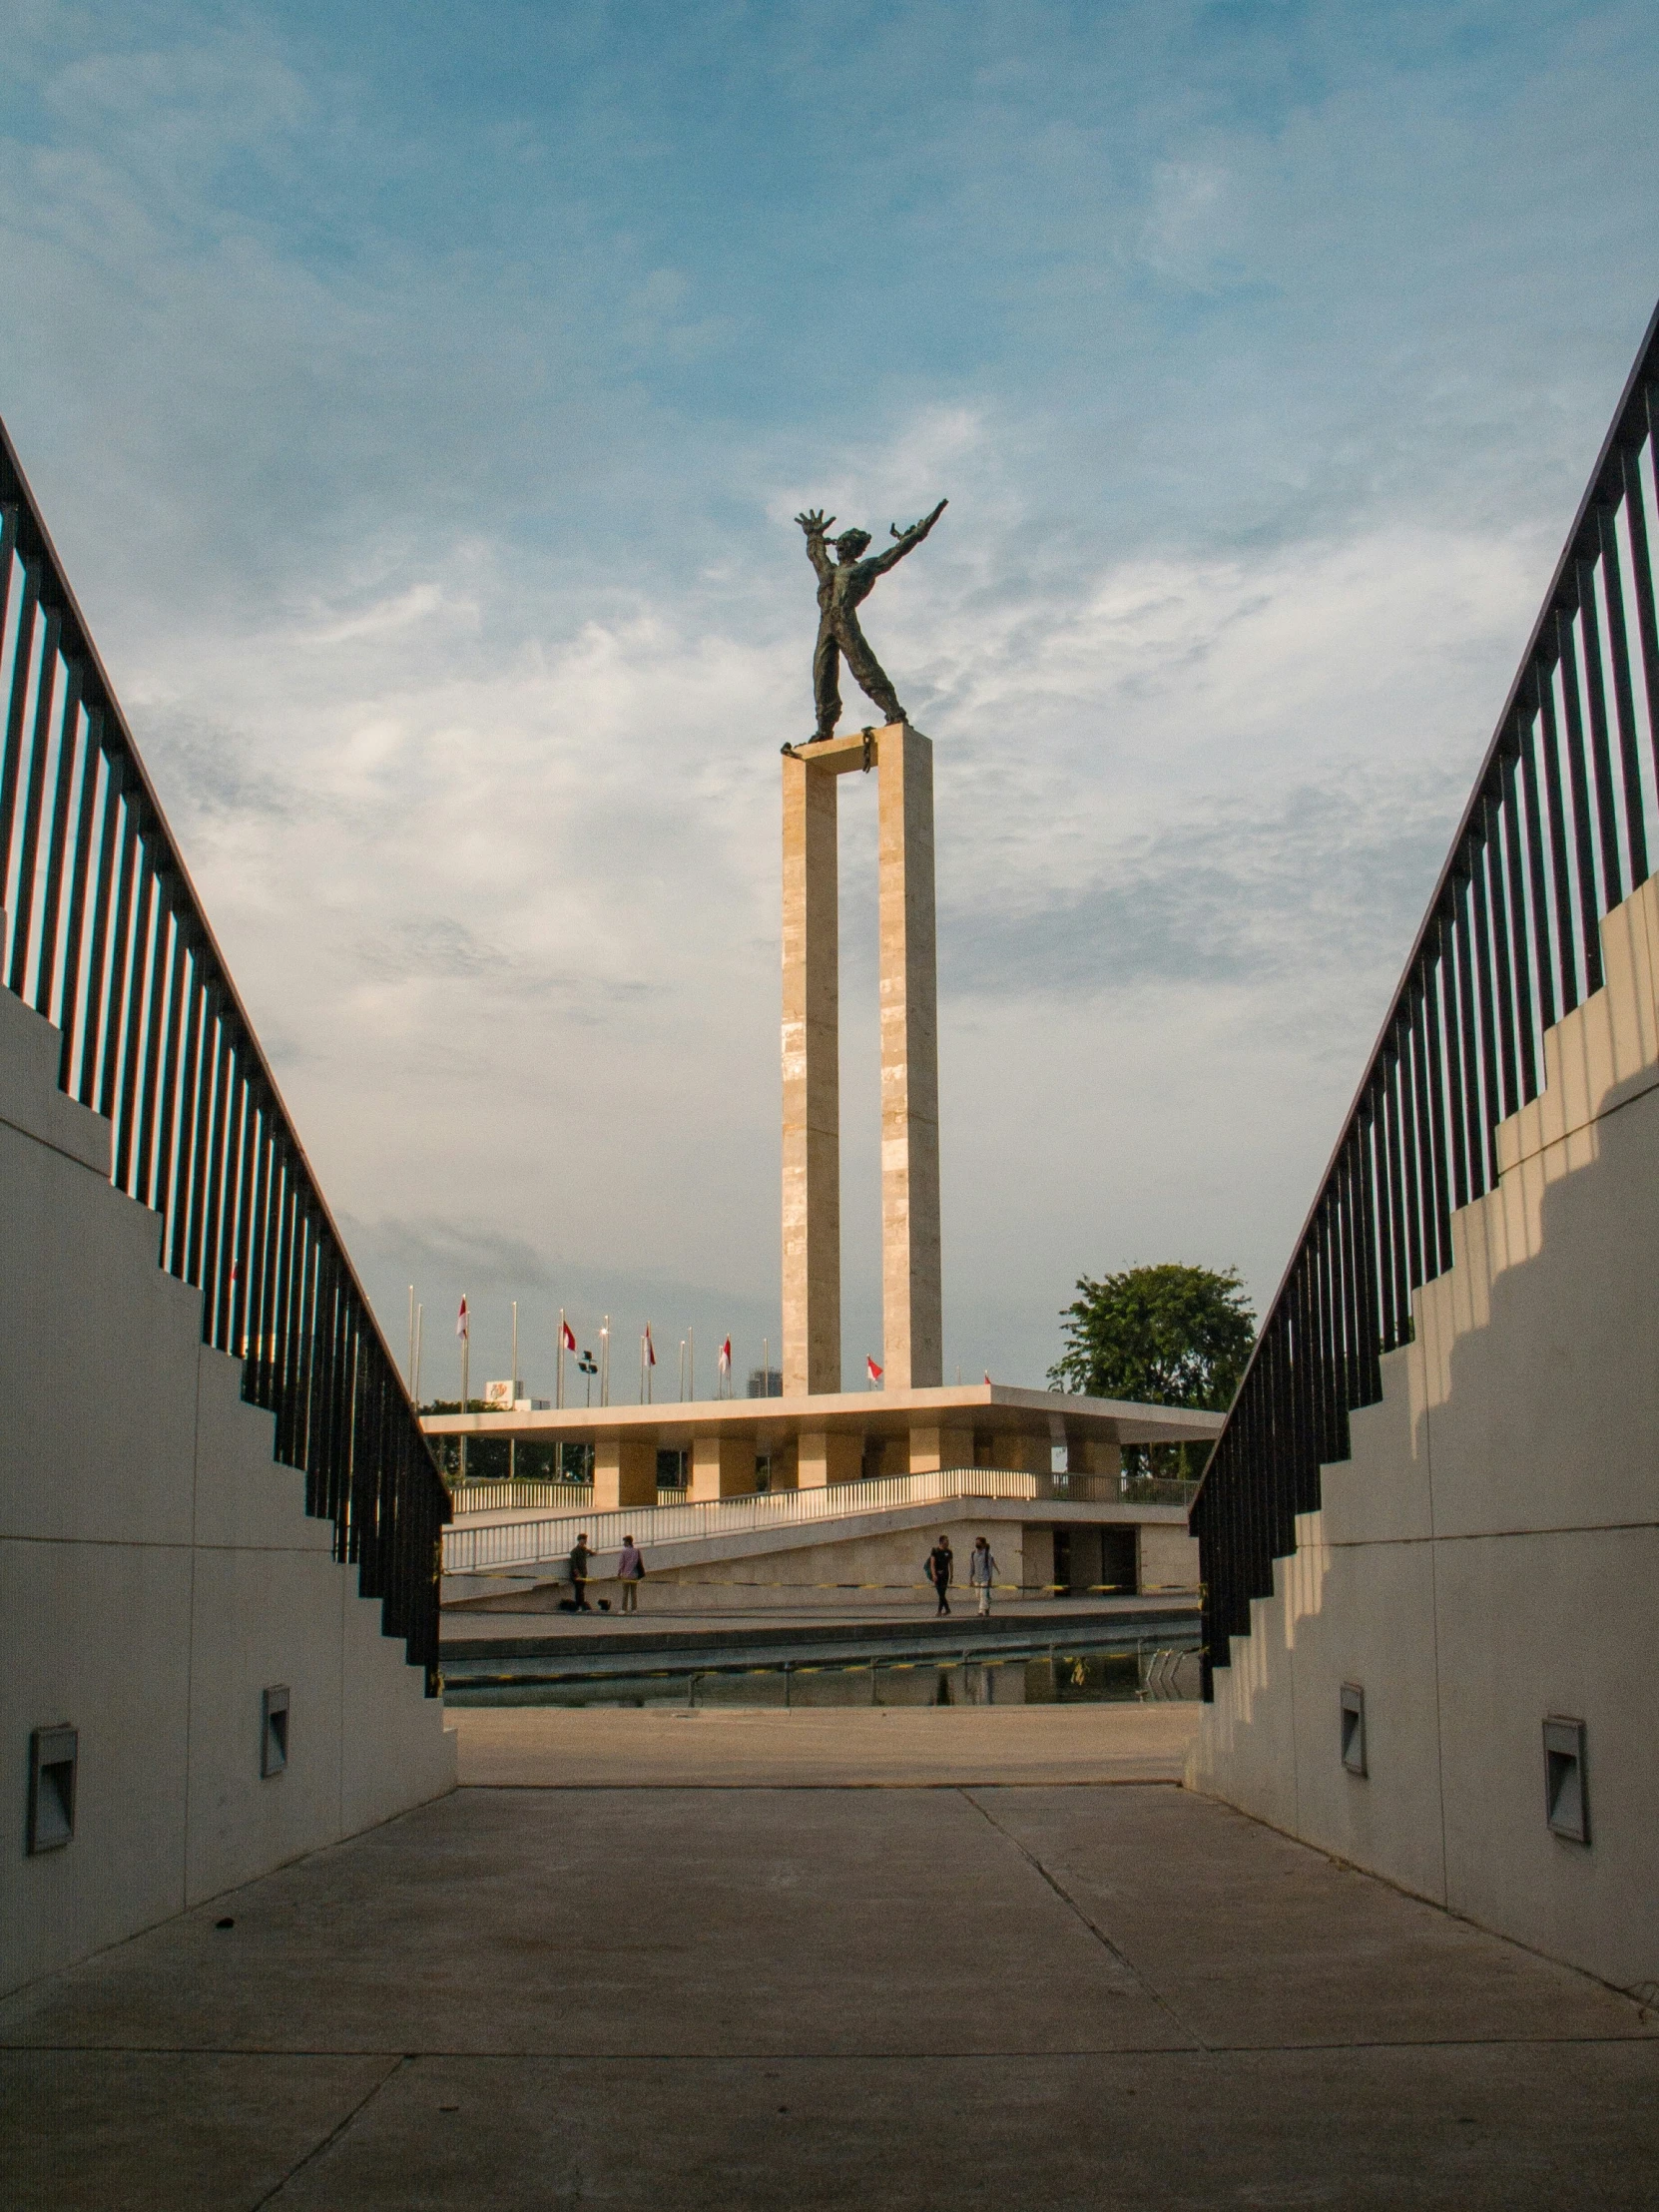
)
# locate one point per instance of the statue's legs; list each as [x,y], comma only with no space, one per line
[826,690]
[871,676]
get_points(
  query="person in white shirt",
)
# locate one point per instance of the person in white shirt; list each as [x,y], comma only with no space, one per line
[982,1571]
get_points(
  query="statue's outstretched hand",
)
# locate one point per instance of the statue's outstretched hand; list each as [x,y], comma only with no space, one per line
[921,528]
[814,521]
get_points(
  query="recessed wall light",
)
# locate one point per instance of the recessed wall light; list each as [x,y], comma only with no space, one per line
[54,1754]
[273,1730]
[1354,1728]
[1566,1782]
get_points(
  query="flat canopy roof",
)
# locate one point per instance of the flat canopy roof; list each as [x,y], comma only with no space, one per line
[777,1421]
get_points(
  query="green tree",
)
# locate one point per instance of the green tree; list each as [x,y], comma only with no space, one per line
[1161,1335]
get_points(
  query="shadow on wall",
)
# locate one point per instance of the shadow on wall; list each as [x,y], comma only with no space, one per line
[1488,1561]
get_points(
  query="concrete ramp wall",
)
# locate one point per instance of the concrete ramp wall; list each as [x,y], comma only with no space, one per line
[158,1573]
[1489,1556]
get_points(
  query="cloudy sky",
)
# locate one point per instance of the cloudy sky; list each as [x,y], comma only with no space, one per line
[420,394]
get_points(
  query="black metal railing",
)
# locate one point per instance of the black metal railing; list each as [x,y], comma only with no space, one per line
[1563,816]
[103,935]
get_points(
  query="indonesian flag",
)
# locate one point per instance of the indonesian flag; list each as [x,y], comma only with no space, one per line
[566,1337]
[872,1369]
[725,1357]
[462,1326]
[650,1347]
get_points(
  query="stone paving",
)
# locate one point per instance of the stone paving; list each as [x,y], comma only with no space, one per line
[786,1992]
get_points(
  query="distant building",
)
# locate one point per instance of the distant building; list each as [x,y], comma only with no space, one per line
[765,1382]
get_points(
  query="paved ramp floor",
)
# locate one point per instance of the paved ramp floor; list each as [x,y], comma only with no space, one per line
[1014,1994]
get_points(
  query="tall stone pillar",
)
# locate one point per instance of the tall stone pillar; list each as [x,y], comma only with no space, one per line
[812,1081]
[913,1325]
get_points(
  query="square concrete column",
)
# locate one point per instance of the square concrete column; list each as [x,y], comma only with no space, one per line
[624,1474]
[811,1080]
[722,1466]
[933,1449]
[896,1455]
[1097,1458]
[1027,1453]
[1036,1454]
[913,1328]
[828,1456]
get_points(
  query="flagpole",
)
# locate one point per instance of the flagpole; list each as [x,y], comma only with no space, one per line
[559,1381]
[414,1389]
[605,1363]
[512,1441]
[690,1365]
[466,1391]
[410,1370]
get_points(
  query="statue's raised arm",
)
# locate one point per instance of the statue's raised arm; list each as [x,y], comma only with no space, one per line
[815,522]
[907,541]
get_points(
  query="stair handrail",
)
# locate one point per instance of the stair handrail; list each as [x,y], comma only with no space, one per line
[1510,942]
[106,936]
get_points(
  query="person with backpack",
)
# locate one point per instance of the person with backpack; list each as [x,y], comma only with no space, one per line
[630,1572]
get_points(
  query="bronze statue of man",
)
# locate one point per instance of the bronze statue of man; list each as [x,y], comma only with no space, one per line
[842,584]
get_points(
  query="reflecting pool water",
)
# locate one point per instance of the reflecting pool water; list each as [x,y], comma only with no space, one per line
[1070,1677]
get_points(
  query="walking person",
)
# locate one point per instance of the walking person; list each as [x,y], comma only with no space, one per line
[982,1571]
[942,1566]
[581,1558]
[630,1572]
